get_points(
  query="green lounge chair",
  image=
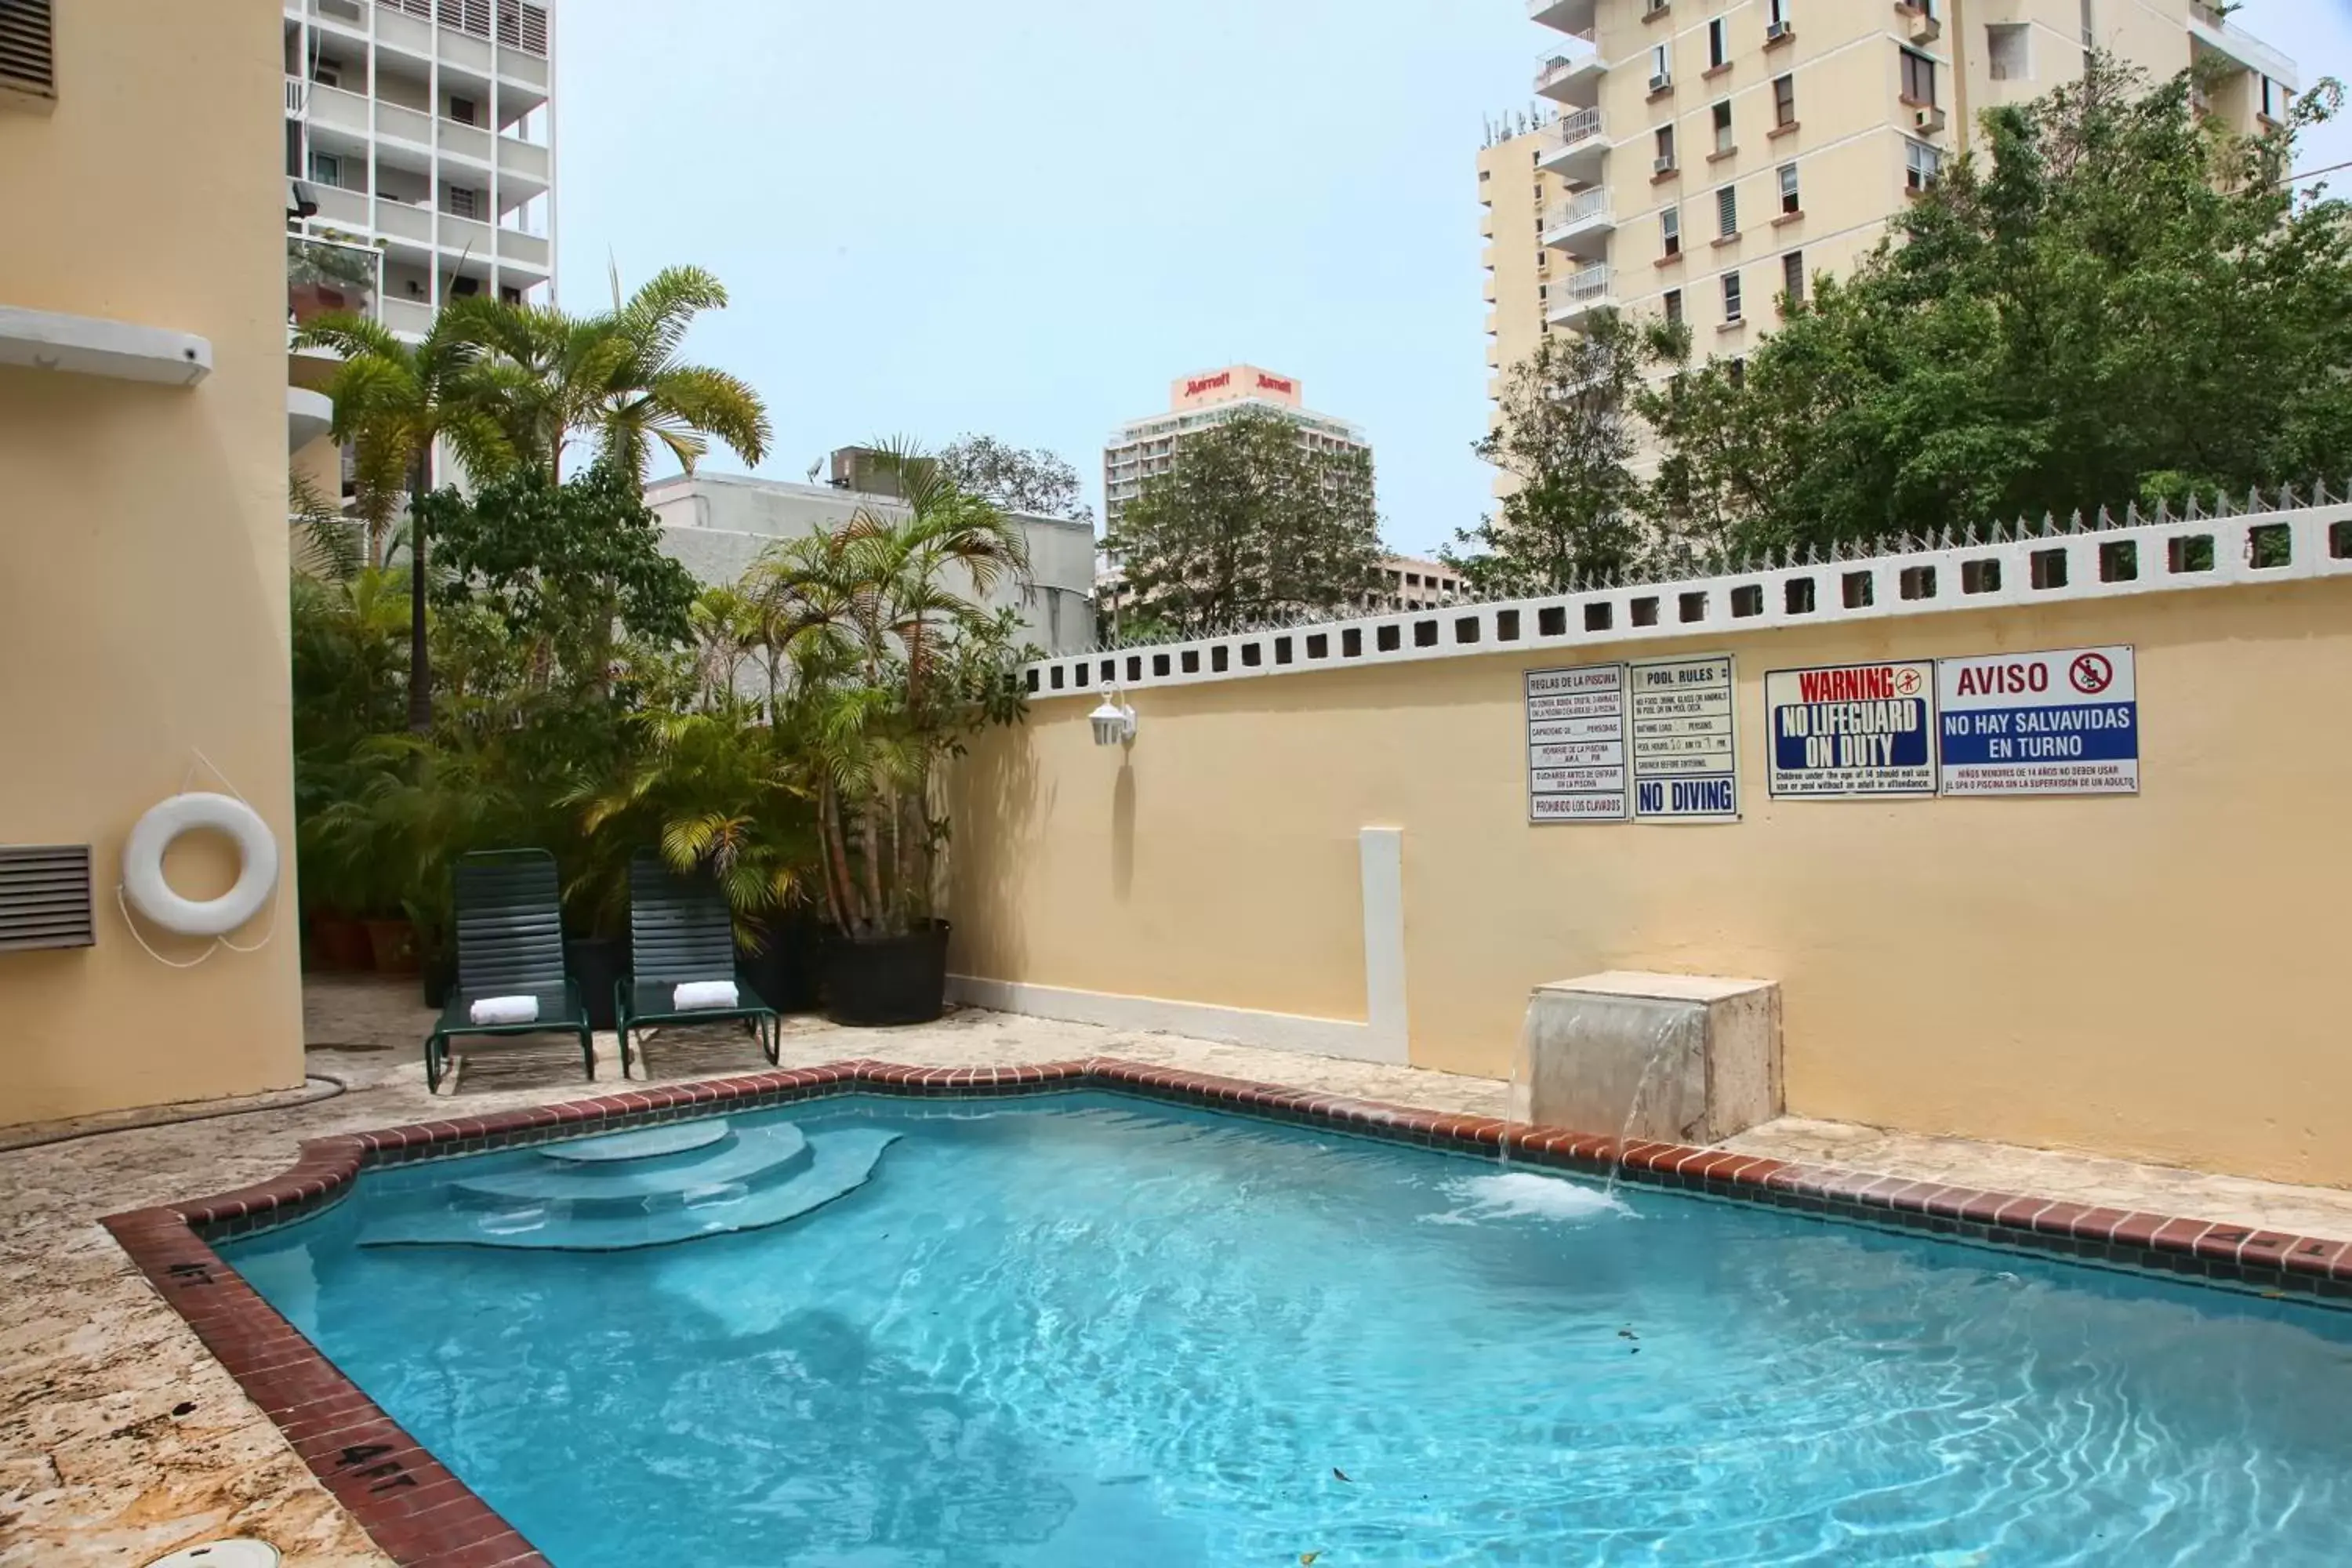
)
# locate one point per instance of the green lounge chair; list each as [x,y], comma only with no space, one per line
[509,943]
[682,932]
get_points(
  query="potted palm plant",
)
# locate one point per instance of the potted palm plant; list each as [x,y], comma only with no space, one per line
[894,659]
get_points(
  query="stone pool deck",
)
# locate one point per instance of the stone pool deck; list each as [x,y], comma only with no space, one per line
[120,1438]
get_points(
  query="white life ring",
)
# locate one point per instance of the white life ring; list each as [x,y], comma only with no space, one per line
[142,864]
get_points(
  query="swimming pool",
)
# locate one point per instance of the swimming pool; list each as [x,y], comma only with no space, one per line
[1088,1329]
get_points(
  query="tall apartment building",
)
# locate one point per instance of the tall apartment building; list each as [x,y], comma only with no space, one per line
[1143,449]
[422,130]
[1710,156]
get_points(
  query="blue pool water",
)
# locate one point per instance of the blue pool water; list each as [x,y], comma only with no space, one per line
[1088,1331]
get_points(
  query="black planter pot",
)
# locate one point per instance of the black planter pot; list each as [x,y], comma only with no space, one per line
[874,982]
[596,963]
[789,968]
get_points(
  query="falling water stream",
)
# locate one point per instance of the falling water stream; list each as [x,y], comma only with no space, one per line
[1662,1038]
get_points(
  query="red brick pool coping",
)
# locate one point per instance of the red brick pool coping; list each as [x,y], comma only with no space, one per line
[421,1516]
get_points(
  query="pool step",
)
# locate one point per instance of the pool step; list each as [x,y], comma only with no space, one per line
[646,1143]
[836,1164]
[737,1162]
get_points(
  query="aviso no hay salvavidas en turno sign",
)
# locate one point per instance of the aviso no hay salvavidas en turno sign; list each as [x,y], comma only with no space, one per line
[2059,722]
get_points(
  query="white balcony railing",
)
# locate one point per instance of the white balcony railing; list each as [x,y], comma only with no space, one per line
[297,96]
[518,24]
[1582,207]
[1573,130]
[1583,287]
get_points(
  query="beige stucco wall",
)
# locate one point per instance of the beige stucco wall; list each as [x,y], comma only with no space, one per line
[2153,977]
[143,553]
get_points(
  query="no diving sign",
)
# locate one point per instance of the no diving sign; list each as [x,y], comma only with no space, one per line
[2065,723]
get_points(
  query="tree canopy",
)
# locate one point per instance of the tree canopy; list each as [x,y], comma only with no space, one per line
[1015,478]
[1249,526]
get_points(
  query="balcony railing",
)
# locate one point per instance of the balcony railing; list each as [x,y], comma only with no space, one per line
[327,275]
[517,23]
[297,96]
[1573,130]
[1584,286]
[1577,209]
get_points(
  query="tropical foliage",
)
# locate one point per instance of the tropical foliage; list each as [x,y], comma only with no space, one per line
[894,661]
[784,732]
[505,386]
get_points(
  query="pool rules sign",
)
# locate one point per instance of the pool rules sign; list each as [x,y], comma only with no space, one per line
[1648,742]
[2040,724]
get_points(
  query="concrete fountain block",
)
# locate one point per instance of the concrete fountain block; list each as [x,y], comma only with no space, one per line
[1673,1058]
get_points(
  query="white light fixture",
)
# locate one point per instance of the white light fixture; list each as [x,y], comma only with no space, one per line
[1114,723]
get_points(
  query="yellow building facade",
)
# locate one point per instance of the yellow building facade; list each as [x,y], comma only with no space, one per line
[143,632]
[1709,155]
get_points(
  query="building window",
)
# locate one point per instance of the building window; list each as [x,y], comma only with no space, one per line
[1922,165]
[326,169]
[1673,302]
[1662,66]
[1790,201]
[1718,45]
[461,110]
[1722,127]
[1739,368]
[1731,296]
[2273,101]
[1784,100]
[1665,149]
[1726,212]
[326,71]
[462,201]
[1918,79]
[2006,47]
[1792,277]
[1776,18]
[1670,231]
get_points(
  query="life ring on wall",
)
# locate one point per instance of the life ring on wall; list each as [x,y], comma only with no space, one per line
[142,864]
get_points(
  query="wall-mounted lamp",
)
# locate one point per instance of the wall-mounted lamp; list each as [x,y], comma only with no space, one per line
[1114,723]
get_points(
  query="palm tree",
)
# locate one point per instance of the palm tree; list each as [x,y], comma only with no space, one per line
[615,377]
[393,401]
[894,657]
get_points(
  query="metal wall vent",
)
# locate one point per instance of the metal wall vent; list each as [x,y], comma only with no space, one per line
[45,892]
[28,54]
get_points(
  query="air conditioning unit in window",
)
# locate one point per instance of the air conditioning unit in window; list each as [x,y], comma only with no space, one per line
[1663,80]
[1928,122]
[1663,166]
[1925,28]
[1777,31]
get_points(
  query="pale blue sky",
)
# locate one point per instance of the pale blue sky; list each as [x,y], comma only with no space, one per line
[1025,219]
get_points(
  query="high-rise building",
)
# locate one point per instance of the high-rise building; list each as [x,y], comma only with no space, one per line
[424,129]
[1710,156]
[1144,449]
[420,165]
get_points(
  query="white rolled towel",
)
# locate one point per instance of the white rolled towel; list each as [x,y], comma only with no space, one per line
[506,1010]
[697,994]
